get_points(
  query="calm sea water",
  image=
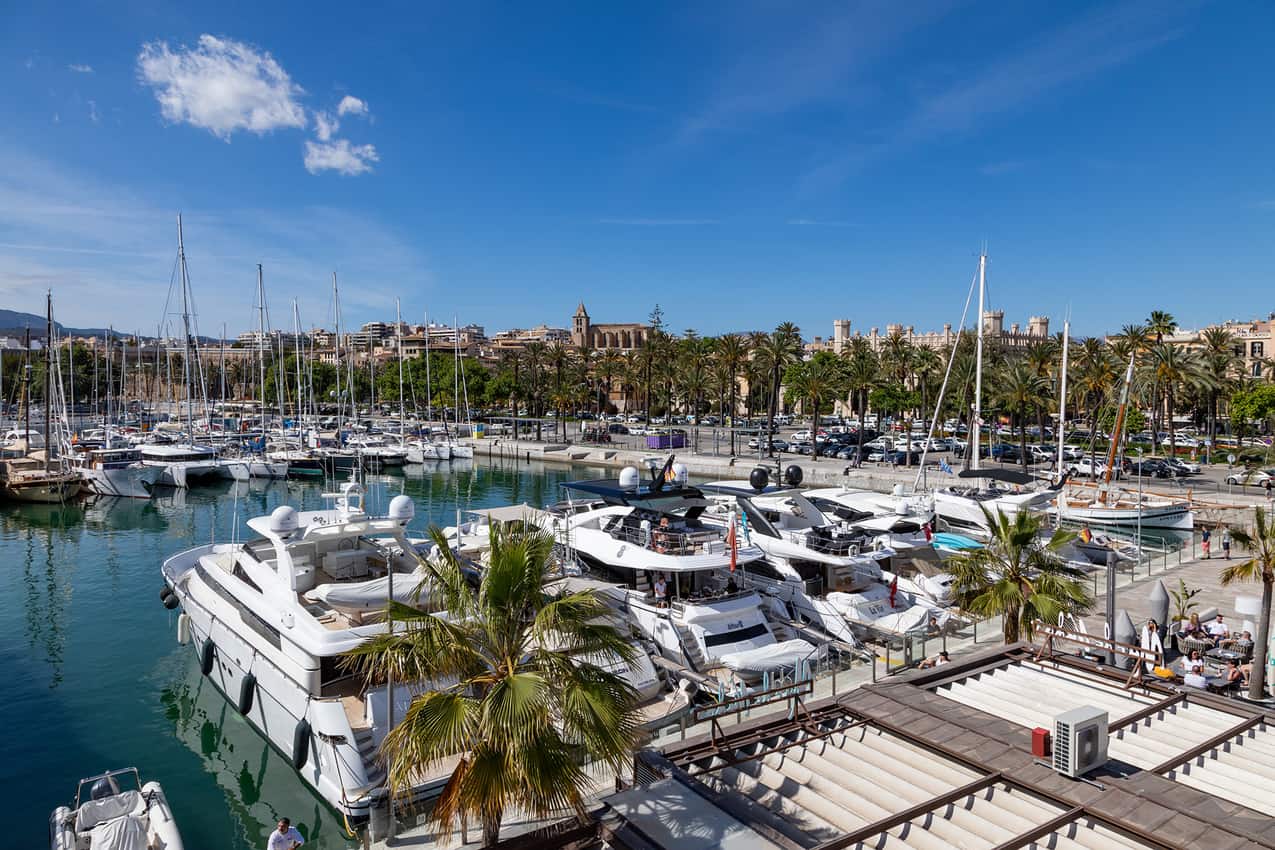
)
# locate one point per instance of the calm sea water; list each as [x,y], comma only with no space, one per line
[95,680]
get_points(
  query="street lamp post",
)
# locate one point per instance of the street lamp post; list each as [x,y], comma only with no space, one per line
[1140,473]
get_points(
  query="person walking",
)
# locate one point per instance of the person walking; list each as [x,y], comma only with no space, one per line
[1206,537]
[285,837]
[1267,485]
[1226,543]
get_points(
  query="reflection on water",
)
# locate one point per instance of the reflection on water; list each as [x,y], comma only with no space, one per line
[95,679]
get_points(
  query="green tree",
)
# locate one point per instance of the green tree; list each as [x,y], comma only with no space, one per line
[1018,577]
[816,381]
[1168,370]
[775,352]
[1252,404]
[529,701]
[731,355]
[1259,568]
[1019,389]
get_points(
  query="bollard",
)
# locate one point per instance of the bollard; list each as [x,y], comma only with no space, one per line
[1125,633]
[1159,599]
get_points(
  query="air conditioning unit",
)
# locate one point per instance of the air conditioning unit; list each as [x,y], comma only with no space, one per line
[1080,740]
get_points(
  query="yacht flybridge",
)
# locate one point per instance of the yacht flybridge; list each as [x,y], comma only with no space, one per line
[638,536]
[269,620]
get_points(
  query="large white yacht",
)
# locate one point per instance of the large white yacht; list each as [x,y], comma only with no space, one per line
[961,508]
[633,535]
[116,471]
[186,464]
[270,619]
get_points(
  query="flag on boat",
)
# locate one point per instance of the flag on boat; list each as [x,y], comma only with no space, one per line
[894,589]
[733,541]
[945,466]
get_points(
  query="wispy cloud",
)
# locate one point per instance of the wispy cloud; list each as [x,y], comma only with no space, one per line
[94,115]
[819,61]
[339,156]
[820,222]
[658,222]
[1092,44]
[351,105]
[80,69]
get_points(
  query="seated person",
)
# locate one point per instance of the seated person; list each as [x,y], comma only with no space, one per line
[1234,676]
[1242,644]
[1218,630]
[1196,678]
[1192,660]
[937,661]
[731,586]
[1191,628]
[660,539]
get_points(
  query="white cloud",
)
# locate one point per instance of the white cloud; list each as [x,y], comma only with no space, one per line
[325,125]
[222,86]
[350,105]
[93,113]
[339,156]
[80,69]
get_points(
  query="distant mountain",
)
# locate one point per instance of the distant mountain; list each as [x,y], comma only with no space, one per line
[13,323]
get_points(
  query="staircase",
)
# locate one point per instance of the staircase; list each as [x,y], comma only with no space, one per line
[367,749]
[690,649]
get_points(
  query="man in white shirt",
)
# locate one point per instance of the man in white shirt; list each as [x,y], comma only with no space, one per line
[285,837]
[1218,630]
[1195,679]
[661,592]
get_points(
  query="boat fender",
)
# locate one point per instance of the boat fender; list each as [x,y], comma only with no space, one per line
[164,593]
[300,744]
[247,690]
[183,629]
[206,657]
[171,601]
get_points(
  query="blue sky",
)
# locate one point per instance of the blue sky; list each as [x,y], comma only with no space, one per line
[740,163]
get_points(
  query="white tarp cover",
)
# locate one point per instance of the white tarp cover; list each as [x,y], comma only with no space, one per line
[126,833]
[368,595]
[93,812]
[771,657]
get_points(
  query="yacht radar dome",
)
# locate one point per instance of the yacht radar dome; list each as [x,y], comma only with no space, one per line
[630,478]
[283,520]
[680,473]
[402,508]
[758,478]
[793,476]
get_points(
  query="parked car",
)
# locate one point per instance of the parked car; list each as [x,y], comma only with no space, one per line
[617,428]
[1151,467]
[1090,467]
[1251,477]
[899,458]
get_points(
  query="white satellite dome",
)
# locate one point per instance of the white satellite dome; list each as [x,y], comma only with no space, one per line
[630,477]
[402,508]
[283,520]
[680,474]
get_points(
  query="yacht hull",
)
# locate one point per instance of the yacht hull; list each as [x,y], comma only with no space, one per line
[132,482]
[1175,516]
[53,490]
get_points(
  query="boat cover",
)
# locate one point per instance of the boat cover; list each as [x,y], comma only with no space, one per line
[93,812]
[1009,476]
[770,657]
[915,617]
[368,595]
[126,833]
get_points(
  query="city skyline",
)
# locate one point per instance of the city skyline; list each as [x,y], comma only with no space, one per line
[730,162]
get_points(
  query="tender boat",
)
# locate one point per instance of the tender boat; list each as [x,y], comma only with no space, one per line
[115,811]
[270,619]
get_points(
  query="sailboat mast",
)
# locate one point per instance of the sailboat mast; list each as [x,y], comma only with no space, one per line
[181,261]
[299,348]
[261,344]
[976,427]
[398,343]
[1118,430]
[48,378]
[340,405]
[456,374]
[1062,397]
[429,386]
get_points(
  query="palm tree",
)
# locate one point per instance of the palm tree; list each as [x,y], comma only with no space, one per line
[527,703]
[1161,324]
[534,356]
[1168,370]
[610,366]
[1219,356]
[816,381]
[1017,577]
[776,352]
[694,378]
[732,356]
[1260,567]
[1021,389]
[559,357]
[862,373]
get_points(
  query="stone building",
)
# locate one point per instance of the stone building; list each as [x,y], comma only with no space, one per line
[624,337]
[1254,342]
[993,332]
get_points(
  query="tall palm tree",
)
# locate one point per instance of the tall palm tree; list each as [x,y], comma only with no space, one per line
[1019,390]
[528,701]
[559,358]
[1169,369]
[776,351]
[610,365]
[1161,324]
[535,357]
[1218,350]
[1260,567]
[731,354]
[1017,577]
[694,379]
[817,380]
[862,373]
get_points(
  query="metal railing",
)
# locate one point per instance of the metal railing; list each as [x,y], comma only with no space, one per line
[671,542]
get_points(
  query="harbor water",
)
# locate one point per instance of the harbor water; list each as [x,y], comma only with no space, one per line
[96,680]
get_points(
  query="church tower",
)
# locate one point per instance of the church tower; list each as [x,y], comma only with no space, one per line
[580,327]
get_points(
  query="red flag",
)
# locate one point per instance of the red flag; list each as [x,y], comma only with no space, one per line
[733,541]
[929,532]
[894,589]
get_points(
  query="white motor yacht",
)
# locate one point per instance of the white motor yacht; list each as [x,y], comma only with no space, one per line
[116,472]
[187,464]
[115,811]
[898,520]
[962,508]
[634,534]
[270,619]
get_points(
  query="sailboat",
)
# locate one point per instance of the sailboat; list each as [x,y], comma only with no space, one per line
[458,449]
[1118,506]
[426,449]
[966,508]
[260,465]
[183,463]
[114,467]
[42,475]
